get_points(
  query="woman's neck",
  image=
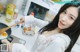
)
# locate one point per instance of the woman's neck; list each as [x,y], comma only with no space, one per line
[59,30]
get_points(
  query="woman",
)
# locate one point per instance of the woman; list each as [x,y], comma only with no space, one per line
[61,34]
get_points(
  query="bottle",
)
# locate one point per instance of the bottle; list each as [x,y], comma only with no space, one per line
[15,14]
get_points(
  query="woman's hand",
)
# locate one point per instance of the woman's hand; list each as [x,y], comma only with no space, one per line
[8,43]
[22,20]
[5,41]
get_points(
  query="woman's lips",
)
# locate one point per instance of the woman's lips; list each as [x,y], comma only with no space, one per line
[61,23]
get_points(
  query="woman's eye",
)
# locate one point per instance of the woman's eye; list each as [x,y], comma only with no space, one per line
[64,12]
[72,18]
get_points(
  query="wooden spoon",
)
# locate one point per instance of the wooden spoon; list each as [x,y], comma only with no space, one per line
[6,28]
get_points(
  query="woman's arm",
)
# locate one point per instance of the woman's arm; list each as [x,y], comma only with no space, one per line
[35,22]
[8,43]
[19,48]
[15,47]
[40,23]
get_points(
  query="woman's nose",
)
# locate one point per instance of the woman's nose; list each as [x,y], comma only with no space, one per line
[64,18]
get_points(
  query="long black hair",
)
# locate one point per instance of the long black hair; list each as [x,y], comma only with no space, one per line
[73,31]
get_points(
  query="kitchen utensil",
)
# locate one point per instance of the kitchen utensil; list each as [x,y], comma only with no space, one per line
[8,30]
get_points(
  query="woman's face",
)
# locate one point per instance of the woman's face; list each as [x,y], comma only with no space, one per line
[67,17]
